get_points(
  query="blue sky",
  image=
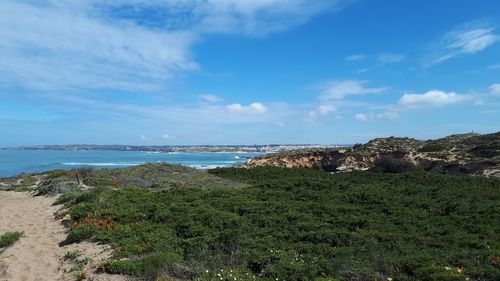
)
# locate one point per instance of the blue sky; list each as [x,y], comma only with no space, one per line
[246,72]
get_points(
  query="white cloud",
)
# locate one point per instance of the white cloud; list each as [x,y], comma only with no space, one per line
[162,114]
[390,58]
[75,44]
[356,57]
[473,41]
[343,88]
[211,98]
[258,17]
[254,108]
[495,89]
[431,98]
[324,110]
[388,115]
[321,111]
[494,66]
[47,46]
[167,136]
[360,117]
[382,60]
[469,38]
[143,137]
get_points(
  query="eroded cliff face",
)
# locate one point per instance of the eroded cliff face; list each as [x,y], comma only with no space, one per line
[457,154]
[310,158]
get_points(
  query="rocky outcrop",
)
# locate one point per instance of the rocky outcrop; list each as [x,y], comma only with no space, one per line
[456,154]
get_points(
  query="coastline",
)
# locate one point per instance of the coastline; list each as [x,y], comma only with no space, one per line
[14,162]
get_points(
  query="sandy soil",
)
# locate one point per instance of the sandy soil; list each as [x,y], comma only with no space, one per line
[38,256]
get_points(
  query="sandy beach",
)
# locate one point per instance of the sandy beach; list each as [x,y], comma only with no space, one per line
[38,256]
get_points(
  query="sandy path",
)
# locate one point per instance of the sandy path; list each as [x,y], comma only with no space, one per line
[38,256]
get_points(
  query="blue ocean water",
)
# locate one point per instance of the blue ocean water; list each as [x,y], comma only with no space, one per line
[13,162]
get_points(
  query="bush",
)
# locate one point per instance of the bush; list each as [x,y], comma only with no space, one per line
[431,147]
[487,151]
[9,238]
[98,182]
[301,224]
[54,186]
[387,164]
[66,198]
[151,267]
[81,233]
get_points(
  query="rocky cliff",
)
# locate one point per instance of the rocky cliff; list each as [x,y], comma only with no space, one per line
[456,154]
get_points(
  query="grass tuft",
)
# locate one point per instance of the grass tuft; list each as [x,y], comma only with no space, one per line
[72,255]
[9,238]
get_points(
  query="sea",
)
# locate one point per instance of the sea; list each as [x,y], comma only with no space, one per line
[13,162]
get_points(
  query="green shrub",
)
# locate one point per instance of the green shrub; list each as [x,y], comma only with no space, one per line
[81,233]
[151,266]
[57,174]
[387,164]
[54,186]
[301,224]
[488,150]
[98,182]
[81,275]
[125,267]
[72,255]
[431,147]
[9,238]
[66,198]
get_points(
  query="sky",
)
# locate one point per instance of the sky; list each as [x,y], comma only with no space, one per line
[181,72]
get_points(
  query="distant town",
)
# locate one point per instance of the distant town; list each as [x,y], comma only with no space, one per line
[269,148]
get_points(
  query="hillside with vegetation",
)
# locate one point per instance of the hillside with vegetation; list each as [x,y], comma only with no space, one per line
[456,154]
[157,176]
[167,222]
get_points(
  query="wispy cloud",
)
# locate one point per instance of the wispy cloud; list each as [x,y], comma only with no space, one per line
[48,46]
[323,110]
[467,39]
[361,117]
[495,89]
[386,58]
[356,57]
[389,115]
[257,18]
[339,89]
[211,98]
[81,44]
[383,59]
[164,118]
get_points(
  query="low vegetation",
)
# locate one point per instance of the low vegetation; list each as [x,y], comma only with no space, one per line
[79,263]
[158,176]
[20,183]
[9,238]
[292,224]
[386,164]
